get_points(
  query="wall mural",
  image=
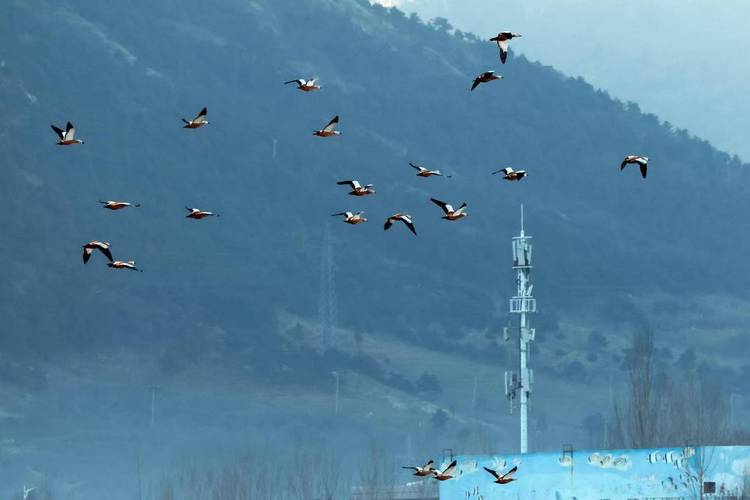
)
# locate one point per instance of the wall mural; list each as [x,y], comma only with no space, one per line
[615,474]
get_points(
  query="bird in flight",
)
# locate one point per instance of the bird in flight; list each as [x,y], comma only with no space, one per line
[357,189]
[117,205]
[450,212]
[352,218]
[304,85]
[426,470]
[423,172]
[642,162]
[511,175]
[503,478]
[122,264]
[198,121]
[485,77]
[199,214]
[399,217]
[447,473]
[329,129]
[67,136]
[502,39]
[102,246]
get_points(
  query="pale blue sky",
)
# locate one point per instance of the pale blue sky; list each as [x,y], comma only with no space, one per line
[684,60]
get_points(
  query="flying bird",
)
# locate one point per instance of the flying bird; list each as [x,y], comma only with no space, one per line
[504,478]
[67,136]
[357,189]
[121,264]
[352,218]
[447,473]
[485,77]
[198,121]
[117,205]
[102,246]
[199,214]
[399,217]
[642,162]
[450,212]
[426,470]
[328,130]
[423,172]
[511,175]
[304,85]
[502,39]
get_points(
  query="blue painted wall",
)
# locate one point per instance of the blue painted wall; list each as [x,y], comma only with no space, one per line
[611,474]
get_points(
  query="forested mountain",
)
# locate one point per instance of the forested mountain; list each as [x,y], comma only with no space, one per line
[646,63]
[240,294]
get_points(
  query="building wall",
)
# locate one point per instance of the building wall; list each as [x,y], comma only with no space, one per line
[613,474]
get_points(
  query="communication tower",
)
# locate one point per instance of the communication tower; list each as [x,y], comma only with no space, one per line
[518,383]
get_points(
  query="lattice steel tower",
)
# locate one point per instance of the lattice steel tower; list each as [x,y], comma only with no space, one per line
[518,384]
[327,301]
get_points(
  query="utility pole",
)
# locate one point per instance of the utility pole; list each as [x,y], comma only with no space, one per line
[474,394]
[327,302]
[153,403]
[336,398]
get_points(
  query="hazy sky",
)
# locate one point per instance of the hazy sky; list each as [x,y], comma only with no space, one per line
[684,60]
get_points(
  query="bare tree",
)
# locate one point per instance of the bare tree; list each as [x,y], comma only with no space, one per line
[745,483]
[330,475]
[300,485]
[310,473]
[671,407]
[636,420]
[376,474]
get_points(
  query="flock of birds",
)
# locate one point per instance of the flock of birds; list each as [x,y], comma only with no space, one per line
[449,472]
[67,138]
